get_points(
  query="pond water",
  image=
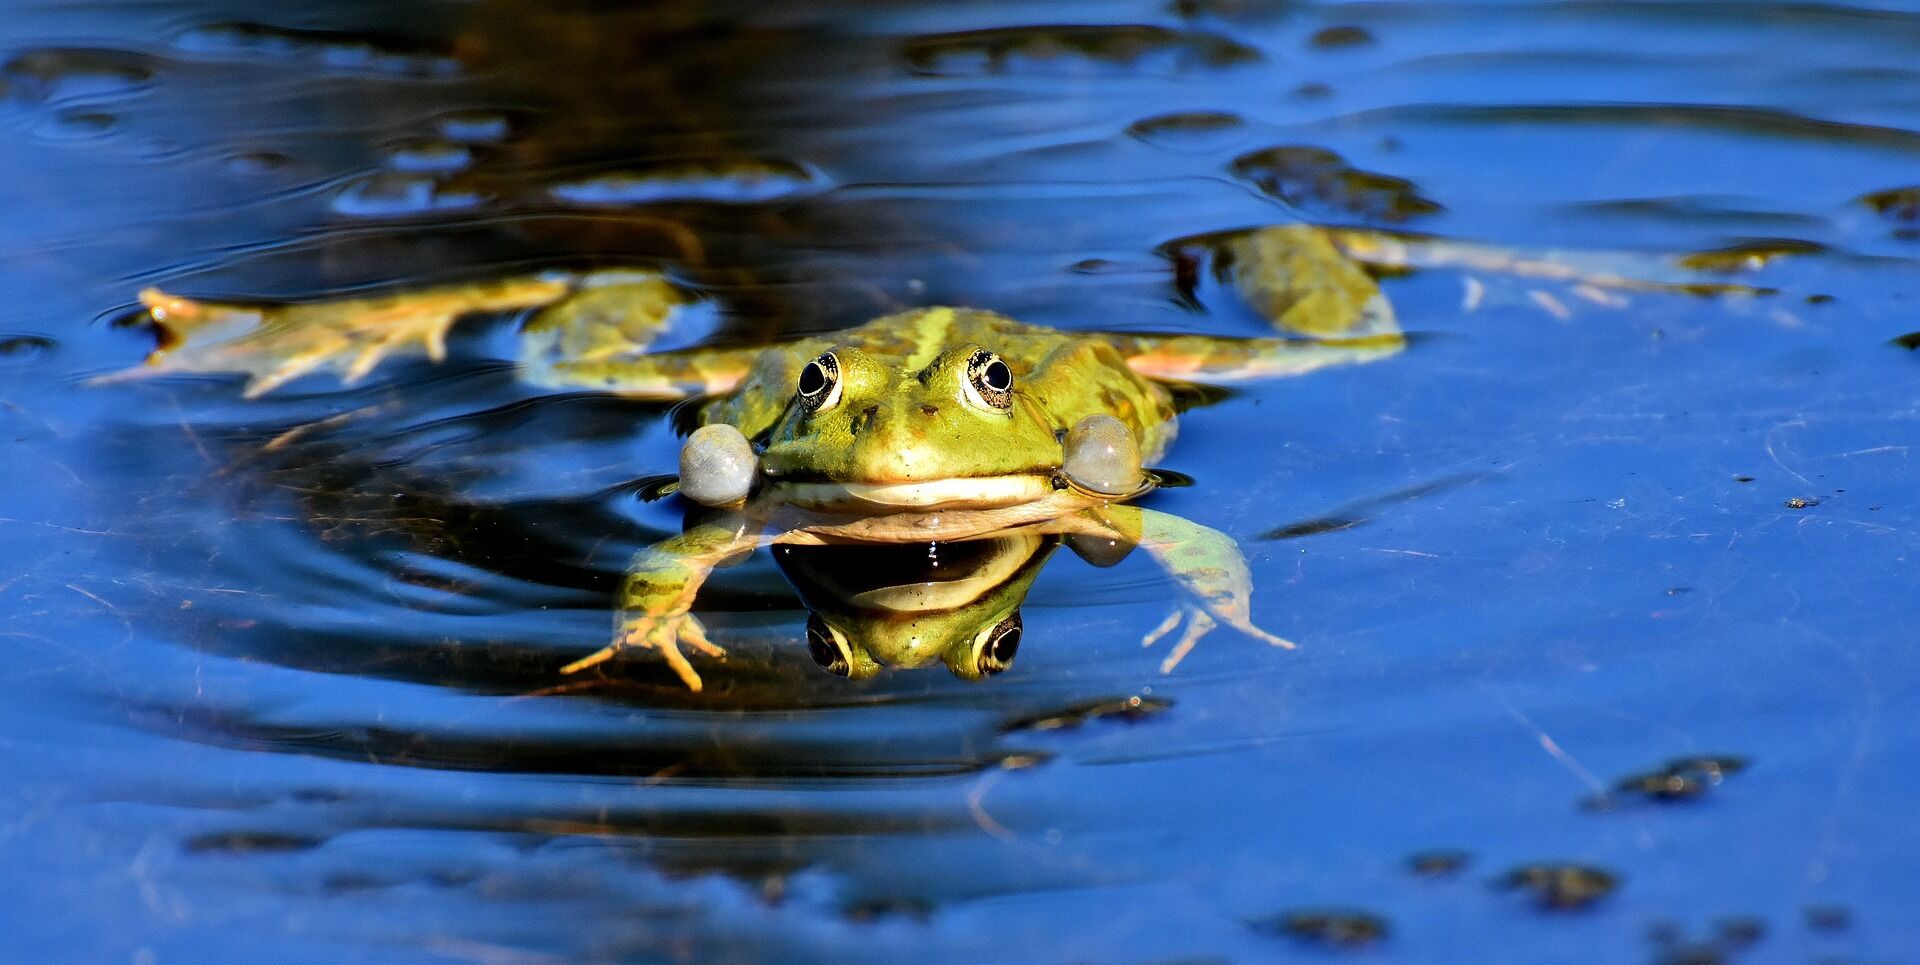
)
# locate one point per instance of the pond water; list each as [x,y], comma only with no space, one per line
[1601,594]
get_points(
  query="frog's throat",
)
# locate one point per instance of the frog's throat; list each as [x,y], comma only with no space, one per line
[965,492]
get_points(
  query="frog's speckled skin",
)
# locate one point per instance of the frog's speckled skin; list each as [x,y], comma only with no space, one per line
[905,452]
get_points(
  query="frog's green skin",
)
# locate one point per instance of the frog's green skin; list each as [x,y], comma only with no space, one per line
[906,450]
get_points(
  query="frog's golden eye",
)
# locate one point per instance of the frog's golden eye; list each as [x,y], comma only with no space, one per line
[997,646]
[826,647]
[819,385]
[989,381]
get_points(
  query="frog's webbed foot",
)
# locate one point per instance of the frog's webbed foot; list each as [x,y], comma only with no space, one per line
[1205,563]
[656,602]
[664,633]
[350,336]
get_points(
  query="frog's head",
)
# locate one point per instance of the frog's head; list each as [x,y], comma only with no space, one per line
[909,606]
[868,433]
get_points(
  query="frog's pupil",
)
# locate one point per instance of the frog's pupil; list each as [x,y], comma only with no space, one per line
[997,376]
[813,378]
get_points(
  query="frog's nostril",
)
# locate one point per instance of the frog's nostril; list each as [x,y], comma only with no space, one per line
[928,408]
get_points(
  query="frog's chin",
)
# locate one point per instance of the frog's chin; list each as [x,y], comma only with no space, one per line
[966,492]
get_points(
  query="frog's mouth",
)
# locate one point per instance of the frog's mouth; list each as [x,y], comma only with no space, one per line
[962,492]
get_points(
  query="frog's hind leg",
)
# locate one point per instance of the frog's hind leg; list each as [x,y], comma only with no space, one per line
[1328,309]
[278,343]
[592,331]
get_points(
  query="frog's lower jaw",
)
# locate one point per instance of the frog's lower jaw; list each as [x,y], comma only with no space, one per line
[872,498]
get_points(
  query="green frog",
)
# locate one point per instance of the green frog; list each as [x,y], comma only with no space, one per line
[934,426]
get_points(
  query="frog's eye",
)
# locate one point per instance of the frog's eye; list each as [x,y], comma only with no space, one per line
[989,381]
[998,645]
[826,647]
[819,385]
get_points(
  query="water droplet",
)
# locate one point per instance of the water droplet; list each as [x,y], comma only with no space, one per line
[394,195]
[741,182]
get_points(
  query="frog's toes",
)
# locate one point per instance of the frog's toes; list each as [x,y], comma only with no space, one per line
[1198,625]
[661,634]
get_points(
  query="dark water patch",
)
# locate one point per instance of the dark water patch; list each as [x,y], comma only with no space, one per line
[1560,886]
[1747,255]
[58,73]
[429,157]
[1331,928]
[1755,121]
[78,125]
[1318,180]
[250,842]
[1440,863]
[1363,511]
[1909,341]
[1071,48]
[1680,779]
[730,182]
[1725,940]
[1895,204]
[877,908]
[1694,211]
[327,50]
[1191,131]
[1827,918]
[1339,37]
[20,350]
[1129,710]
[257,163]
[667,752]
[400,195]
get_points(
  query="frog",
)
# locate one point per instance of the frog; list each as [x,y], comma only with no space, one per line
[935,425]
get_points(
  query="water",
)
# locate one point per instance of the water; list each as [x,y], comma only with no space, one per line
[281,677]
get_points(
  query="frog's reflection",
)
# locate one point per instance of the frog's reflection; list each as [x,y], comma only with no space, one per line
[907,605]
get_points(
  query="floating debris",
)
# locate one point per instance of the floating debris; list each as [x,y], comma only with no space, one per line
[1909,341]
[1680,779]
[326,49]
[398,195]
[1315,178]
[1443,863]
[1334,928]
[1128,709]
[736,182]
[1074,46]
[1557,886]
[1746,256]
[1801,502]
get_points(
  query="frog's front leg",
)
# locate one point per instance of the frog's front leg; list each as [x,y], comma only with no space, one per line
[656,603]
[1205,562]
